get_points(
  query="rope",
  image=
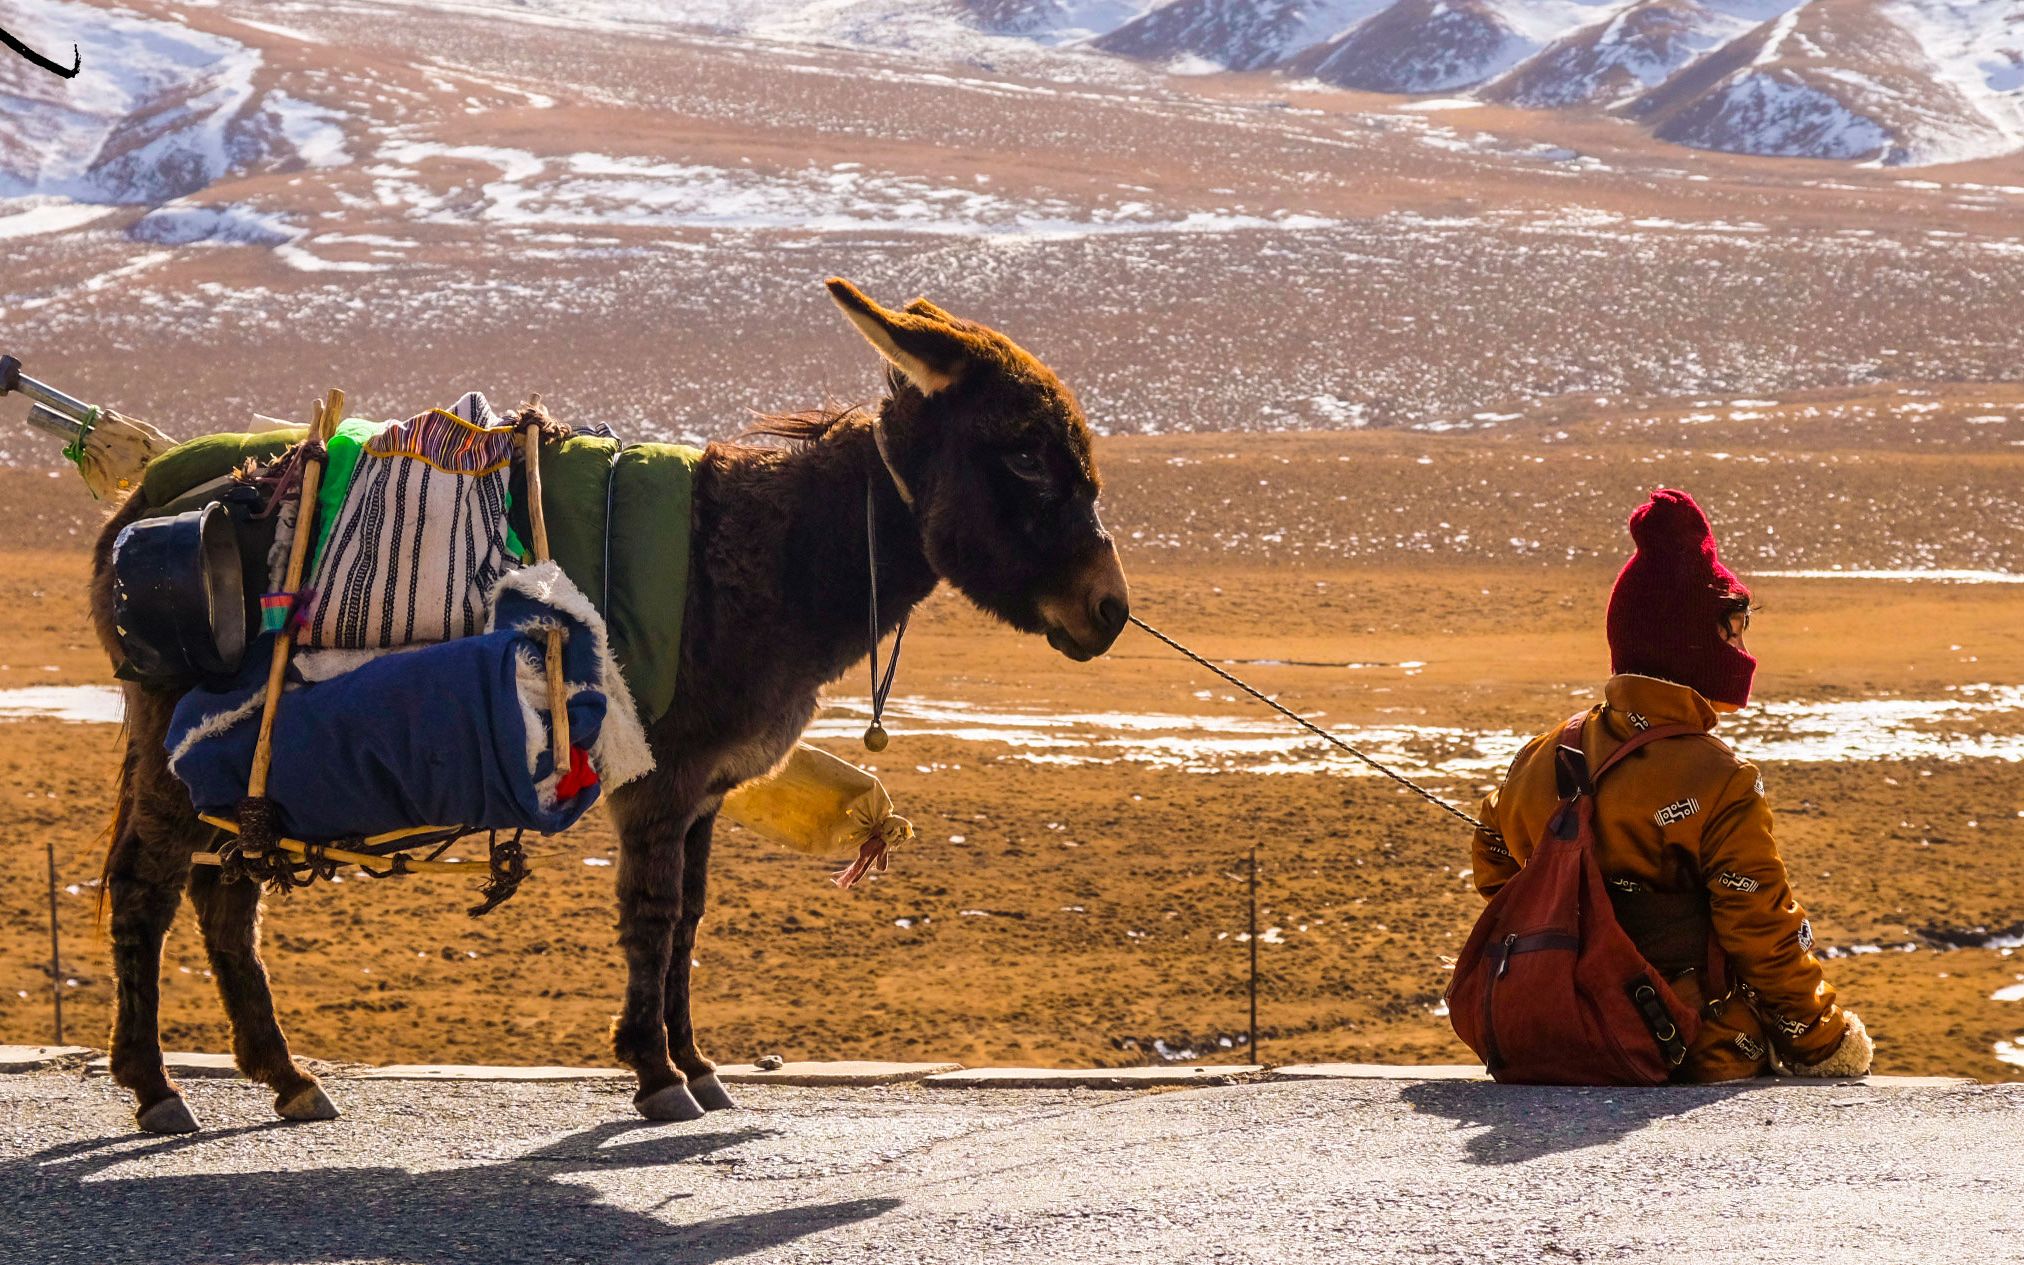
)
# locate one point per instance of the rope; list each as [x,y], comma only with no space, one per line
[507,864]
[875,734]
[1317,730]
[74,450]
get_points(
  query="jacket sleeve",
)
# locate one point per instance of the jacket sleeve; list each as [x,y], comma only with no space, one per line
[1761,927]
[1491,861]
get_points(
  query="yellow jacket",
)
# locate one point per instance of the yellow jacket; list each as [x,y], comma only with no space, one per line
[1682,821]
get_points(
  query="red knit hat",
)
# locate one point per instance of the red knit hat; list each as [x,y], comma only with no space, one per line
[1665,615]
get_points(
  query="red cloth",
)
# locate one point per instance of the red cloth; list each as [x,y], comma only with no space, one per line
[580,776]
[1665,614]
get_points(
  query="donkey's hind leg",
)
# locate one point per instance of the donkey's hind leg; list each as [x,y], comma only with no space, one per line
[144,885]
[229,913]
[701,1072]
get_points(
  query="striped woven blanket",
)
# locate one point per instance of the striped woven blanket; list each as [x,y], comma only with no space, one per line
[419,536]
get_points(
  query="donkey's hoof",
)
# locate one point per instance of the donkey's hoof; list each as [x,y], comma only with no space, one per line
[170,1115]
[310,1103]
[710,1092]
[674,1102]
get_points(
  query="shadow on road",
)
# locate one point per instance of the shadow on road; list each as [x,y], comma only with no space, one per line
[73,1206]
[1524,1122]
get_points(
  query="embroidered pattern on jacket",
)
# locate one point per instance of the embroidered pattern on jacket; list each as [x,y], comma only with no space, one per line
[1638,722]
[1806,935]
[1760,786]
[1792,1027]
[1672,814]
[1738,882]
[1751,1047]
[1626,885]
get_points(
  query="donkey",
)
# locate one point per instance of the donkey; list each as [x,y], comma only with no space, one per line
[977,469]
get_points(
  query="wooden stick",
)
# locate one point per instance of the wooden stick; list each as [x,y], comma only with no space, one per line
[537,519]
[298,550]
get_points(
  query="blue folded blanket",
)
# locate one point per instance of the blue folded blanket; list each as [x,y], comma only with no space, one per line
[451,734]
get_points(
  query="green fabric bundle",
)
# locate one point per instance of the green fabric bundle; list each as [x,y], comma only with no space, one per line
[650,492]
[195,462]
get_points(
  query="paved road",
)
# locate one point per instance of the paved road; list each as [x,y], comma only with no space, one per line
[1316,1171]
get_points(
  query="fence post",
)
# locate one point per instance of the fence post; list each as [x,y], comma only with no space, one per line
[1253,1056]
[55,943]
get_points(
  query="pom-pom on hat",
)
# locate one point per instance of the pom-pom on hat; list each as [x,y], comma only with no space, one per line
[1666,612]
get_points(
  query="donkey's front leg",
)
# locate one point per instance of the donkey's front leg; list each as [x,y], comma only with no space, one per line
[649,907]
[701,1072]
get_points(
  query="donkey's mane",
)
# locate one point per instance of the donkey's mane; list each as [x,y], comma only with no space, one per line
[803,426]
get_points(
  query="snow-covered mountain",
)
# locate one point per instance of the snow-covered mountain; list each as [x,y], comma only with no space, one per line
[1896,82]
[1640,48]
[1236,34]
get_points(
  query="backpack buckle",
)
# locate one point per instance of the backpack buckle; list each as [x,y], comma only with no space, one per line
[1570,773]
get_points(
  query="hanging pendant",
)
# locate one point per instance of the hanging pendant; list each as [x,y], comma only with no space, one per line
[875,738]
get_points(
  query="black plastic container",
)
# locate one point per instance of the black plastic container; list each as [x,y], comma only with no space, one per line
[179,596]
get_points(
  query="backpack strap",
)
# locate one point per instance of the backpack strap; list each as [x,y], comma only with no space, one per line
[1571,762]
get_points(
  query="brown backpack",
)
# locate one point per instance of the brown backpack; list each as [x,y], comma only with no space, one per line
[1549,989]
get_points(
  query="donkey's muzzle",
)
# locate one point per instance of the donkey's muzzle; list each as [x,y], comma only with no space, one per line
[1084,621]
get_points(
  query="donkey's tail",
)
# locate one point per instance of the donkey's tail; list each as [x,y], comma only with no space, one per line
[115,836]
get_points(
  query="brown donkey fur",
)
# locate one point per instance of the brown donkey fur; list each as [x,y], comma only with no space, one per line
[979,471]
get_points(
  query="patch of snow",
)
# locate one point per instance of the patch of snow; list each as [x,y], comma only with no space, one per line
[1910,576]
[270,28]
[79,704]
[184,224]
[597,190]
[34,216]
[313,130]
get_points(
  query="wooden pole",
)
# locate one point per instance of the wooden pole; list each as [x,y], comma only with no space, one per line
[55,946]
[537,520]
[1253,1055]
[327,414]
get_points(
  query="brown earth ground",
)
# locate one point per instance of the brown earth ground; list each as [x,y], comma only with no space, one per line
[1106,901]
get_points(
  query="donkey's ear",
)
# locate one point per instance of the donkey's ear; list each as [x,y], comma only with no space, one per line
[921,307]
[921,347]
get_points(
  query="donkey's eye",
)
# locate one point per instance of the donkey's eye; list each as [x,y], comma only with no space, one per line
[1027,465]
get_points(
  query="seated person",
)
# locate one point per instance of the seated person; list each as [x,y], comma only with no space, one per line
[1683,832]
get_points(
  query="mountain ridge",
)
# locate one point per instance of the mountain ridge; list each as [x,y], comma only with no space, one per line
[1898,83]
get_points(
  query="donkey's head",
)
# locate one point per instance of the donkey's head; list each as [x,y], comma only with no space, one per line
[993,455]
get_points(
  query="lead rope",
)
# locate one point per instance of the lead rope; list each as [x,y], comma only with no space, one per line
[1318,731]
[875,738]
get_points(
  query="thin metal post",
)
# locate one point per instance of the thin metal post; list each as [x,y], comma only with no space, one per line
[55,942]
[1253,1055]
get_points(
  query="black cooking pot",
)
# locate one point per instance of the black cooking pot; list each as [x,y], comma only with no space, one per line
[179,595]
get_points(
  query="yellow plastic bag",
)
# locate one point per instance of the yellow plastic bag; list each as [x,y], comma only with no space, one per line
[822,806]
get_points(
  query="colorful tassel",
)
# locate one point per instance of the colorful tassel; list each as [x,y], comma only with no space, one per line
[274,611]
